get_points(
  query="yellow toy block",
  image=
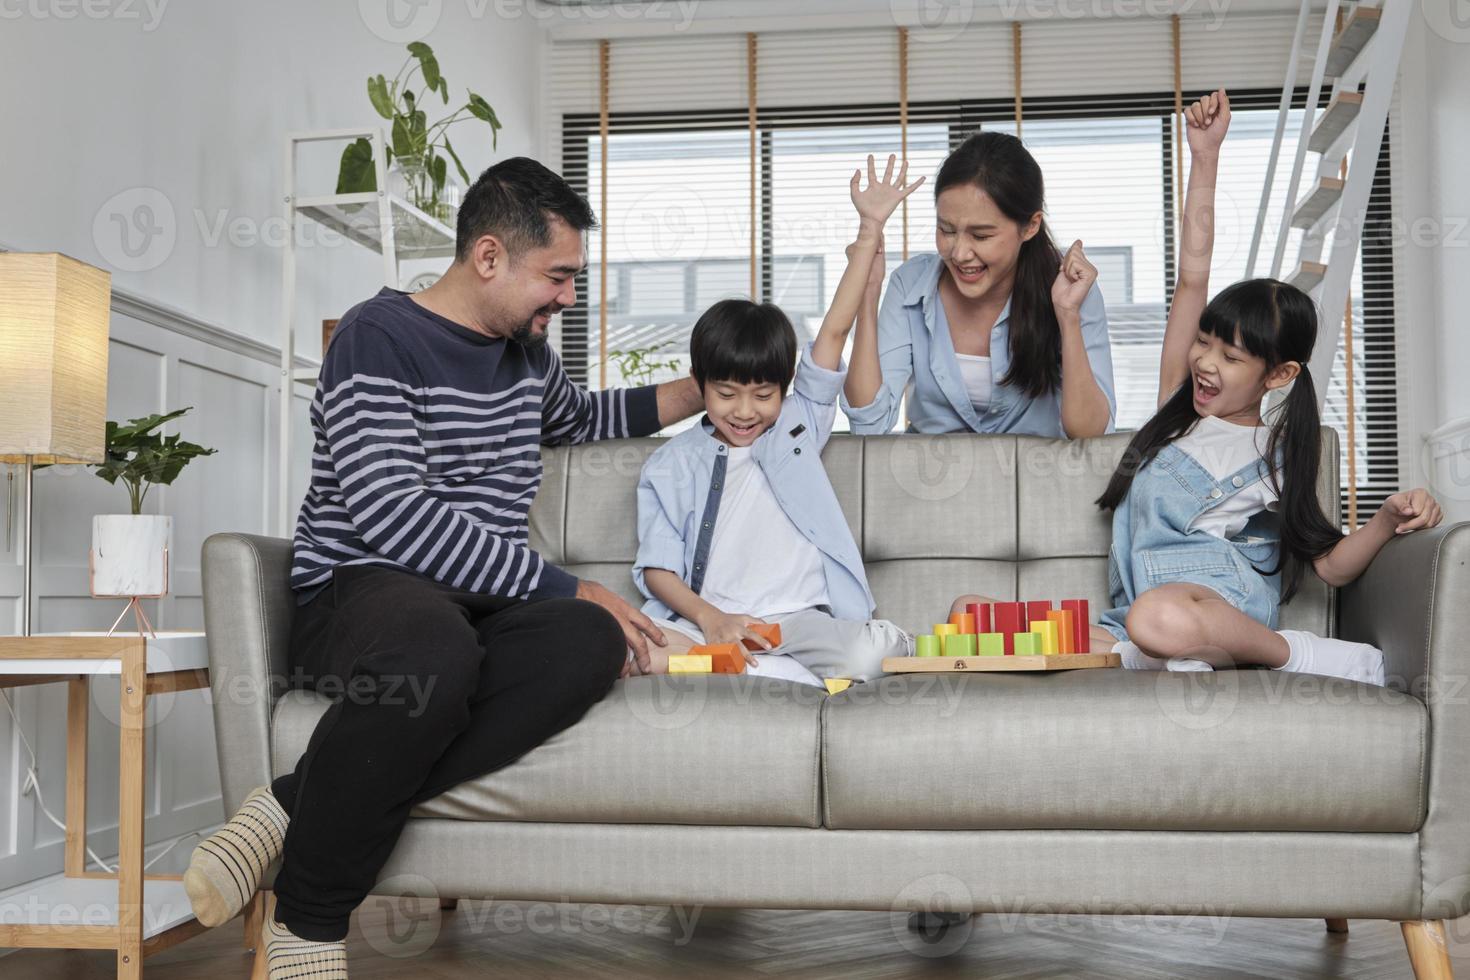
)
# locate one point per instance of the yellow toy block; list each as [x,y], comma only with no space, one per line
[1047,628]
[836,685]
[691,663]
[946,629]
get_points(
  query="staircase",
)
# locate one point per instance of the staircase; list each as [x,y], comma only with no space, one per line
[1358,51]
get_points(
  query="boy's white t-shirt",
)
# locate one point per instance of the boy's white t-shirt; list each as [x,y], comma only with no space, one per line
[760,563]
[1223,448]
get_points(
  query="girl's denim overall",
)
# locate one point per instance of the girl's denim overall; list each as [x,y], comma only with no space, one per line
[1153,546]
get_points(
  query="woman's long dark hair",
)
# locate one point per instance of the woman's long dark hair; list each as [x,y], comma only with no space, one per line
[1278,323]
[1005,170]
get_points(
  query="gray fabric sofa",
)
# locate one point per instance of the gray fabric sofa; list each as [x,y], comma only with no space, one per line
[1252,793]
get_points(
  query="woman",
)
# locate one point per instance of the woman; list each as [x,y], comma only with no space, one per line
[995,331]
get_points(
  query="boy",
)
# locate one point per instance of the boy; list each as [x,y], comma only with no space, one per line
[737,521]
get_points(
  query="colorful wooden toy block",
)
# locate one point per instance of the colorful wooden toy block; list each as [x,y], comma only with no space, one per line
[1081,624]
[960,645]
[690,663]
[1066,632]
[836,685]
[770,632]
[945,629]
[990,644]
[1025,644]
[725,658]
[927,645]
[981,612]
[1036,611]
[1047,630]
[965,621]
[1010,618]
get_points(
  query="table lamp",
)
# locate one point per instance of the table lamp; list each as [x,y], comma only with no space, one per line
[53,372]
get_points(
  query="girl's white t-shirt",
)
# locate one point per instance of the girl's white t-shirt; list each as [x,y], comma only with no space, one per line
[975,371]
[1223,448]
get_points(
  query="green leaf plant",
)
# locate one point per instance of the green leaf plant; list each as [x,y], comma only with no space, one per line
[141,457]
[416,142]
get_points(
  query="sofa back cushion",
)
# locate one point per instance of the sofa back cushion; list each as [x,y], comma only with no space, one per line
[934,516]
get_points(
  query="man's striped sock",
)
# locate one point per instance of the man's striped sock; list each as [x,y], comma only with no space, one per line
[226,868]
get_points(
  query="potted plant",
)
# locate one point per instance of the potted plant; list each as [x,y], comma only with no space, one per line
[418,148]
[638,365]
[129,551]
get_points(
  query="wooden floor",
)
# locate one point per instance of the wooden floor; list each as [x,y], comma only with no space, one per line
[409,939]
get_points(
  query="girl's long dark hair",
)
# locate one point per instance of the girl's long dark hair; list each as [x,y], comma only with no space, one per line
[1278,323]
[1001,166]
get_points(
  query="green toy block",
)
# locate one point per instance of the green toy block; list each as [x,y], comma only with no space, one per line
[959,645]
[1028,644]
[991,644]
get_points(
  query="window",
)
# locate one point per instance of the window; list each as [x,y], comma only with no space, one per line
[679,217]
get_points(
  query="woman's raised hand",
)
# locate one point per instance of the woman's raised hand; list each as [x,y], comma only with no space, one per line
[1206,121]
[875,203]
[1074,279]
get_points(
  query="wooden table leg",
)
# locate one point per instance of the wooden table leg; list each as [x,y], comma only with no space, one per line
[77,695]
[133,705]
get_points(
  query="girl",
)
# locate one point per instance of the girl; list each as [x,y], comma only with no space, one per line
[1208,539]
[996,331]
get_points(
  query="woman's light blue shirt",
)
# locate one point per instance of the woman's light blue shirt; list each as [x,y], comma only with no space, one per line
[916,353]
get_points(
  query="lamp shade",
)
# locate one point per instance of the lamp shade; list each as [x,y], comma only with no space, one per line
[53,358]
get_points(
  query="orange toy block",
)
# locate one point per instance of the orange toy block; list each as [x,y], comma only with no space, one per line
[1066,630]
[770,632]
[725,658]
[964,620]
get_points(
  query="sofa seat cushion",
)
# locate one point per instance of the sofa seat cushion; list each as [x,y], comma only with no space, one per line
[733,750]
[1113,749]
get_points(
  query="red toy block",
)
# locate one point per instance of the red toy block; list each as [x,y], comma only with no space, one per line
[725,658]
[1036,612]
[770,632]
[1010,619]
[1081,623]
[981,612]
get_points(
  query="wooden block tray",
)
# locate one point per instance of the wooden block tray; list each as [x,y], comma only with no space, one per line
[1059,661]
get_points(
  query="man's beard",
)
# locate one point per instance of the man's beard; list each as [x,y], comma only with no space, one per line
[525,334]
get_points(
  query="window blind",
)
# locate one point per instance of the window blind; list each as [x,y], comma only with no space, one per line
[1097,102]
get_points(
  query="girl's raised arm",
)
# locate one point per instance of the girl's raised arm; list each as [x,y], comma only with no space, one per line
[1205,123]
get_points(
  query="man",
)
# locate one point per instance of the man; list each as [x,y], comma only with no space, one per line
[457,648]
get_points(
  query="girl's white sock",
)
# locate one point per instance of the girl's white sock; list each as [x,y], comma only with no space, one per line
[1312,654]
[1187,663]
[1136,659]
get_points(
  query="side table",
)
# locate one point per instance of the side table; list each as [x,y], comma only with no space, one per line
[135,913]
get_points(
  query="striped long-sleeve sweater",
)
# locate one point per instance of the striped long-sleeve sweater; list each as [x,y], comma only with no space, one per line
[427,450]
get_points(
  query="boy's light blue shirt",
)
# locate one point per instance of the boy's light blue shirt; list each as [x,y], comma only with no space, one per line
[680,486]
[914,346]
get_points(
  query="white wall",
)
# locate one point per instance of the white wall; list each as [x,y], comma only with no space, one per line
[1434,277]
[187,112]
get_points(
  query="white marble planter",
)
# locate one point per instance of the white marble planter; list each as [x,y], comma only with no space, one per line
[129,554]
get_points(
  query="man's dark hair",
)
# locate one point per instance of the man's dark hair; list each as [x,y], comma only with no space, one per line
[744,342]
[515,200]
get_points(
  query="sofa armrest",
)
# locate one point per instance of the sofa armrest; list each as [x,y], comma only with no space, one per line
[1413,603]
[248,610]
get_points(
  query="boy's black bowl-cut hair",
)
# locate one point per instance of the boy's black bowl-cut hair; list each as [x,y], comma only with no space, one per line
[744,342]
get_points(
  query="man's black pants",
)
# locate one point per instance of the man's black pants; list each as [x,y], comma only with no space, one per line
[433,686]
